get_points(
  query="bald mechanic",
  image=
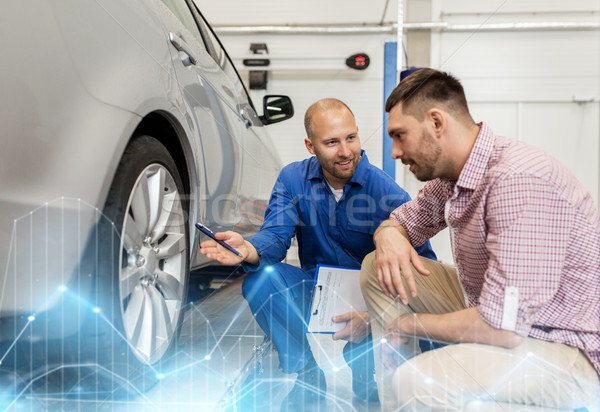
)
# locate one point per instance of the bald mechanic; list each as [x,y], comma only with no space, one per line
[332,202]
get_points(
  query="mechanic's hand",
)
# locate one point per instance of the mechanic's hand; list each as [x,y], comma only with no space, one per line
[395,336]
[214,251]
[394,255]
[357,328]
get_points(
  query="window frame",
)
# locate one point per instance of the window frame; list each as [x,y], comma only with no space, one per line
[204,28]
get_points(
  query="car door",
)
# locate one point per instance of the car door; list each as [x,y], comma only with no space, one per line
[209,106]
[261,163]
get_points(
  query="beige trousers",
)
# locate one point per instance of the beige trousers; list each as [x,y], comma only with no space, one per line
[533,376]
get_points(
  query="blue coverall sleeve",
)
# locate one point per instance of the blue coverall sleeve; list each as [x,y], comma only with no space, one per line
[275,235]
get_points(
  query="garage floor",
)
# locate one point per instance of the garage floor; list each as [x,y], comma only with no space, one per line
[219,347]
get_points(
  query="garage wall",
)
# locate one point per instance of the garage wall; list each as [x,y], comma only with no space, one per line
[538,86]
[321,73]
[319,60]
[542,87]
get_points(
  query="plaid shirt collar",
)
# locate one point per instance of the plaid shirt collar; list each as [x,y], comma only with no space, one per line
[477,163]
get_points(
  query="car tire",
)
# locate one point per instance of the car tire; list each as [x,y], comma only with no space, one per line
[143,276]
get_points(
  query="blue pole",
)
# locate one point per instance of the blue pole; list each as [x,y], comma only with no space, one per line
[389,83]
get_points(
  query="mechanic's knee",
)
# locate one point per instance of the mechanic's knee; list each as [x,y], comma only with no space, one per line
[262,283]
[257,283]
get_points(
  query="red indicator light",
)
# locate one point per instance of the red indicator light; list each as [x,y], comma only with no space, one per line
[359,61]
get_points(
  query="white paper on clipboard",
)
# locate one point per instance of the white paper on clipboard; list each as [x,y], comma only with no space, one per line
[336,291]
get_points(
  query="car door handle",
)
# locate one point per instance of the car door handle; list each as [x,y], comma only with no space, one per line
[246,119]
[182,46]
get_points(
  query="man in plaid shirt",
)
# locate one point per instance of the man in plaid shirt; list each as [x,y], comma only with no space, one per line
[522,303]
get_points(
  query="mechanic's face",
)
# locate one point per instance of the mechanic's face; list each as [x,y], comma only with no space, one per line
[414,144]
[336,144]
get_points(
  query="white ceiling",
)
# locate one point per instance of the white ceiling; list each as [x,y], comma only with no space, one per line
[356,12]
[305,12]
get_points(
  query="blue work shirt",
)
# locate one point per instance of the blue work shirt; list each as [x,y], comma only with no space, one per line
[328,232]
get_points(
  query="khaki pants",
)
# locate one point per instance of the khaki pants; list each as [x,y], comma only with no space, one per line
[469,376]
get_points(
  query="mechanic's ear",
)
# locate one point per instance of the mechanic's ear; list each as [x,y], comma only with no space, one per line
[309,146]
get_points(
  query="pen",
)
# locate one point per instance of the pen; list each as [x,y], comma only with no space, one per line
[210,234]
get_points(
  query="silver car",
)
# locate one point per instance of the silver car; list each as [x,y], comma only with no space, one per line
[122,123]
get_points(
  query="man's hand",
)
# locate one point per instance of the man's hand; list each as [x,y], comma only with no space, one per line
[214,251]
[395,335]
[462,326]
[357,328]
[394,255]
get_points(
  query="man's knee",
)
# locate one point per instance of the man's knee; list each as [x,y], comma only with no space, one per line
[249,284]
[415,386]
[368,273]
[261,284]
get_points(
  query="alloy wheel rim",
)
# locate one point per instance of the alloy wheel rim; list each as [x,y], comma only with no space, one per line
[152,264]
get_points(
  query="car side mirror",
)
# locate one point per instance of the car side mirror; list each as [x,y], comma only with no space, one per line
[276,109]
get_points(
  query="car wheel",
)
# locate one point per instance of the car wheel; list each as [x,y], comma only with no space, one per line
[138,256]
[147,259]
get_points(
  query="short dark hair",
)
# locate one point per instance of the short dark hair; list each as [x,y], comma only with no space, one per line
[425,88]
[326,104]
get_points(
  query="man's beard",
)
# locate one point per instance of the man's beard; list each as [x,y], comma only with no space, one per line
[343,174]
[429,157]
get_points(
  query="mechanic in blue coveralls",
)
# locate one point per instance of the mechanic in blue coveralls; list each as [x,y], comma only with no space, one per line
[332,202]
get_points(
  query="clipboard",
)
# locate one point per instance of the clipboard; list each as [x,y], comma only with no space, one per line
[336,290]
